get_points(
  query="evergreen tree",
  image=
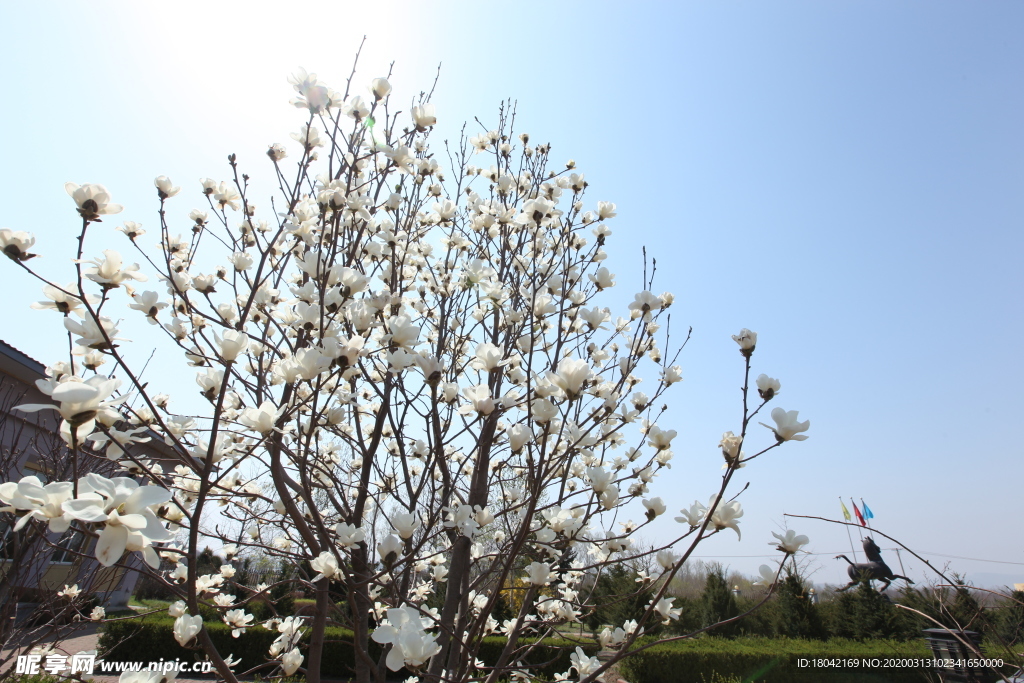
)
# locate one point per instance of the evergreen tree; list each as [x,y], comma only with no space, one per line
[618,597]
[1009,619]
[502,611]
[864,614]
[964,610]
[795,615]
[207,562]
[717,602]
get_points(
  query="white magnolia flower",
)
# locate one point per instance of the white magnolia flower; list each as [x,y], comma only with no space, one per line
[405,523]
[603,278]
[93,200]
[91,334]
[672,375]
[355,108]
[186,628]
[148,303]
[403,333]
[326,564]
[131,230]
[124,508]
[405,629]
[611,639]
[488,357]
[726,515]
[145,677]
[790,542]
[178,608]
[118,439]
[659,438]
[666,559]
[643,303]
[600,479]
[747,341]
[570,376]
[291,661]
[583,664]
[261,419]
[655,507]
[44,503]
[348,534]
[786,426]
[110,270]
[80,401]
[232,344]
[70,592]
[16,243]
[540,574]
[238,621]
[518,436]
[277,152]
[309,137]
[227,195]
[480,400]
[463,518]
[390,549]
[165,188]
[665,609]
[767,576]
[62,300]
[423,116]
[730,445]
[767,387]
[380,88]
[543,411]
[97,614]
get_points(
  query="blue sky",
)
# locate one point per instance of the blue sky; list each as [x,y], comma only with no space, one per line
[843,178]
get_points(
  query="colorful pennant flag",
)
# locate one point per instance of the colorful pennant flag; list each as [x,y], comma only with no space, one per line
[860,517]
[868,514]
[846,513]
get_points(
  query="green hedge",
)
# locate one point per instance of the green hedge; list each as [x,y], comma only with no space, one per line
[151,638]
[772,660]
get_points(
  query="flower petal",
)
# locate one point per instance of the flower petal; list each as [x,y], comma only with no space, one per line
[111,544]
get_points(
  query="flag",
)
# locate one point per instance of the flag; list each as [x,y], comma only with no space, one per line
[860,517]
[846,513]
[868,514]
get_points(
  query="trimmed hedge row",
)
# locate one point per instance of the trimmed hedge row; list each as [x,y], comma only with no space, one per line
[151,638]
[773,660]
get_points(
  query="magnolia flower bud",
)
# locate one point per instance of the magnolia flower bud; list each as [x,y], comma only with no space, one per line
[165,188]
[768,387]
[390,549]
[380,88]
[423,116]
[747,341]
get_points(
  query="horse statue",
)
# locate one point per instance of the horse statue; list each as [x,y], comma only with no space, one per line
[870,571]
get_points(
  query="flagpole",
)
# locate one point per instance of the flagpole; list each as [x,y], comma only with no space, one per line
[898,557]
[848,535]
[859,534]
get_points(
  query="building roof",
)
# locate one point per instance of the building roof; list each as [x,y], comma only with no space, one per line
[19,364]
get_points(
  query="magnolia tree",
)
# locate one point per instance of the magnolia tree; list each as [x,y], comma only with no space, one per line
[410,392]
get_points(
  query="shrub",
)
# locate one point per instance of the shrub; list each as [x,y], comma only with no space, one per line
[125,640]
